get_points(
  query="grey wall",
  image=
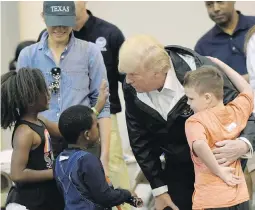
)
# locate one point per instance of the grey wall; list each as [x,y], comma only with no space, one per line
[10,37]
[9,32]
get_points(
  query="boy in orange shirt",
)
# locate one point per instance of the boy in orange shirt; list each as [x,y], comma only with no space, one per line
[216,187]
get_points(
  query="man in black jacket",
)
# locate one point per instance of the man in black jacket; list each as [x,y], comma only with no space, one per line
[156,111]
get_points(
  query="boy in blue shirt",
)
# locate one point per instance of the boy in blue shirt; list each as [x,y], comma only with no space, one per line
[80,174]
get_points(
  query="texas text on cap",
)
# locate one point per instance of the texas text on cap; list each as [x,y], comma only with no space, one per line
[59,13]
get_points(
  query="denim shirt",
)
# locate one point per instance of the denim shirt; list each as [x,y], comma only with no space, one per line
[82,70]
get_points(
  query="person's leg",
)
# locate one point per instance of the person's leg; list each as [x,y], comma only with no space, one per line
[181,195]
[117,167]
[180,180]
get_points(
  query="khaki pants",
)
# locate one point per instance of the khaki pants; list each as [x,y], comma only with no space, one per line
[117,167]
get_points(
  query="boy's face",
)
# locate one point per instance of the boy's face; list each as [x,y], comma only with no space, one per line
[92,135]
[197,102]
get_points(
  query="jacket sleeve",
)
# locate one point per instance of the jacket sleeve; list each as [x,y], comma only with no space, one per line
[230,93]
[145,147]
[94,178]
[117,39]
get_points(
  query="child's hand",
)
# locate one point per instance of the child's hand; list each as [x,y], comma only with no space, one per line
[102,97]
[136,202]
[218,62]
[228,176]
[215,60]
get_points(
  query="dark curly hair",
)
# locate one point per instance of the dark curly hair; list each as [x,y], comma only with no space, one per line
[18,91]
[73,121]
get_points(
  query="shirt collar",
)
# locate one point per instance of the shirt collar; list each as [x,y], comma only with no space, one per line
[43,44]
[241,25]
[76,146]
[171,82]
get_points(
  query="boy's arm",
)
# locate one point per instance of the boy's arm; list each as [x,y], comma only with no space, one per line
[102,97]
[244,147]
[94,178]
[239,82]
[197,140]
[203,151]
[243,102]
[196,136]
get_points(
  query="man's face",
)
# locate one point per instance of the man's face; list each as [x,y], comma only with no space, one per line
[196,102]
[145,81]
[220,12]
[59,34]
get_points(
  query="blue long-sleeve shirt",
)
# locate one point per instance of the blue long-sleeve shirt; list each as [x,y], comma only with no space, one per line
[82,70]
[87,175]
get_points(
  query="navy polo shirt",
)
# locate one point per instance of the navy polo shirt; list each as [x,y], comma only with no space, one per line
[227,48]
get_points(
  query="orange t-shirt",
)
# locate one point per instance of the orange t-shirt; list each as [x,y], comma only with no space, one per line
[214,125]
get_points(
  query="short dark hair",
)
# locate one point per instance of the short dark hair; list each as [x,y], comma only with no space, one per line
[20,47]
[19,90]
[205,79]
[73,121]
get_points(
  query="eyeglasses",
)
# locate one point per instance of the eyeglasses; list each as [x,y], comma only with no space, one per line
[56,74]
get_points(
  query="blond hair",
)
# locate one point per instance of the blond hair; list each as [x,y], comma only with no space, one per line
[206,79]
[248,36]
[143,53]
